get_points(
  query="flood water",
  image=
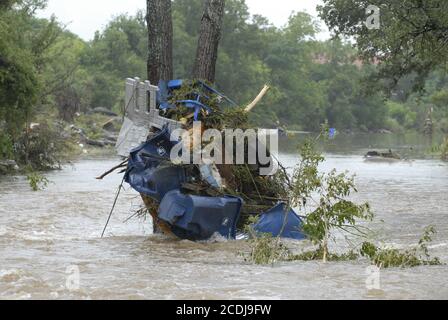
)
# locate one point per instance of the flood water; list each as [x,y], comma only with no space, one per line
[46,237]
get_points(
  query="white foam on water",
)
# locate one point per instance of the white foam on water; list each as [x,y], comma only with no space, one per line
[216,238]
[11,275]
[41,234]
[439,245]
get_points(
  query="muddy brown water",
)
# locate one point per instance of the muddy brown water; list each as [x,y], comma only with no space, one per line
[46,237]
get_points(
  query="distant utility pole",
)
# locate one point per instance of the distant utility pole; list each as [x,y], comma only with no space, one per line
[160,40]
[209,37]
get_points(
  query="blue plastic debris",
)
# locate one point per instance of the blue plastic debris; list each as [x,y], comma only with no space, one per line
[151,173]
[165,92]
[198,99]
[149,170]
[213,90]
[332,133]
[199,218]
[196,105]
[175,84]
[163,95]
[157,148]
[279,222]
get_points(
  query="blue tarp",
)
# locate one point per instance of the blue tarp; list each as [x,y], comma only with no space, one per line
[199,218]
[279,222]
[149,170]
[151,173]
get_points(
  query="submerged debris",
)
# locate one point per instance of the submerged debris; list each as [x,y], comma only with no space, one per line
[375,155]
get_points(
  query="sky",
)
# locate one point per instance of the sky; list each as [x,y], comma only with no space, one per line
[84,17]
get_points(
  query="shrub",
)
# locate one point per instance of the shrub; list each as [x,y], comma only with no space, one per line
[41,147]
[387,258]
[37,182]
[326,194]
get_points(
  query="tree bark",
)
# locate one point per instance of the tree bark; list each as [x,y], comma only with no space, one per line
[160,40]
[160,63]
[209,37]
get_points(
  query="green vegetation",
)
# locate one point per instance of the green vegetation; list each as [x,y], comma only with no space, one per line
[267,250]
[411,53]
[41,148]
[36,62]
[319,254]
[50,79]
[323,199]
[327,194]
[388,258]
[48,72]
[264,248]
[37,182]
[409,41]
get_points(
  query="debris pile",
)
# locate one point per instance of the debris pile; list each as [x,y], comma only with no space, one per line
[192,200]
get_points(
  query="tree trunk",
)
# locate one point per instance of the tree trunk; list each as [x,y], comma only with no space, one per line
[160,63]
[160,40]
[209,37]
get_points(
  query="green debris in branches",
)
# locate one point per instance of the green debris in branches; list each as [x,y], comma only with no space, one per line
[265,249]
[389,258]
[219,118]
[318,254]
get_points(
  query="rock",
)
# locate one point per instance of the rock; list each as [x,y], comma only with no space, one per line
[100,143]
[8,165]
[104,111]
[108,136]
[95,143]
[363,129]
[65,135]
[77,130]
[113,124]
[110,143]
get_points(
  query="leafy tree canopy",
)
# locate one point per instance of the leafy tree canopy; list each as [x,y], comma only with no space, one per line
[411,38]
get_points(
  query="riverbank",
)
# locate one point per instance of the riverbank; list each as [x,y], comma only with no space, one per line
[49,143]
[94,134]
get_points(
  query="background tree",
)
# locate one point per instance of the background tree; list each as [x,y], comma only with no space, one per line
[48,73]
[6,4]
[208,43]
[410,46]
[411,40]
[160,40]
[19,62]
